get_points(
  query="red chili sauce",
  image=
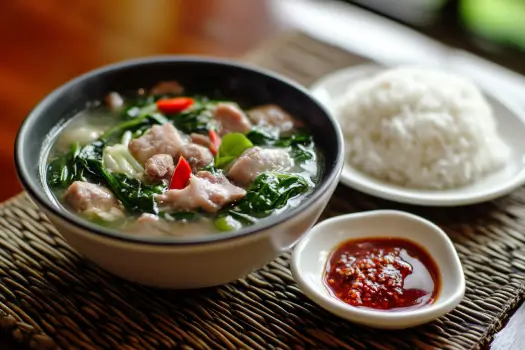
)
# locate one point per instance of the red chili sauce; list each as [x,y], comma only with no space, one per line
[382,273]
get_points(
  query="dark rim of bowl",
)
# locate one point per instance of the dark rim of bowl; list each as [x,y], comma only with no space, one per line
[39,194]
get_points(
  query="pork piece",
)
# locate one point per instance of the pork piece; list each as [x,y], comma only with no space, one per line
[93,200]
[231,118]
[114,101]
[197,155]
[273,115]
[200,139]
[159,167]
[167,87]
[204,191]
[256,160]
[82,196]
[161,139]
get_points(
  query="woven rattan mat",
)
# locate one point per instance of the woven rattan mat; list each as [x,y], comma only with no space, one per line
[52,298]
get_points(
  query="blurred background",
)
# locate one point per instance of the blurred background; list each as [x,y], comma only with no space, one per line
[493,29]
[48,42]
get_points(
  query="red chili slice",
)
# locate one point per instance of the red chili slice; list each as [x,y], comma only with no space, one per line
[174,105]
[181,175]
[215,142]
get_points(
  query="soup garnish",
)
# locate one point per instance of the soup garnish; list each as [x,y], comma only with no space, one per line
[382,273]
[166,163]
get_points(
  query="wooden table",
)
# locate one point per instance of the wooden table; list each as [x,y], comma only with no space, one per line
[48,43]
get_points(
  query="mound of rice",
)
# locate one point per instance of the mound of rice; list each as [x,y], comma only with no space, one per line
[420,128]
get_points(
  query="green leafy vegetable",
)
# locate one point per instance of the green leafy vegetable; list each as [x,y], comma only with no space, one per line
[232,146]
[135,195]
[139,107]
[262,137]
[90,157]
[271,191]
[268,193]
[63,171]
[301,144]
[139,124]
[198,119]
[302,153]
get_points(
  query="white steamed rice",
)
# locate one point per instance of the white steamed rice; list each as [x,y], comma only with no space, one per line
[421,129]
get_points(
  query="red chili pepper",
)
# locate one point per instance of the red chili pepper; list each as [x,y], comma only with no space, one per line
[215,142]
[181,175]
[174,105]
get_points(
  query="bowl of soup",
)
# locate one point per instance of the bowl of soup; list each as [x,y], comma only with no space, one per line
[180,172]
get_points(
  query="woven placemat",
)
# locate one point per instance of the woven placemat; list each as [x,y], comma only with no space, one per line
[52,298]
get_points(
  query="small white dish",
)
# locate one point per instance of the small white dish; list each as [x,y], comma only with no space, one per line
[310,255]
[511,125]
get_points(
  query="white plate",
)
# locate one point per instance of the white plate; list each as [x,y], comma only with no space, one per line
[511,126]
[310,255]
